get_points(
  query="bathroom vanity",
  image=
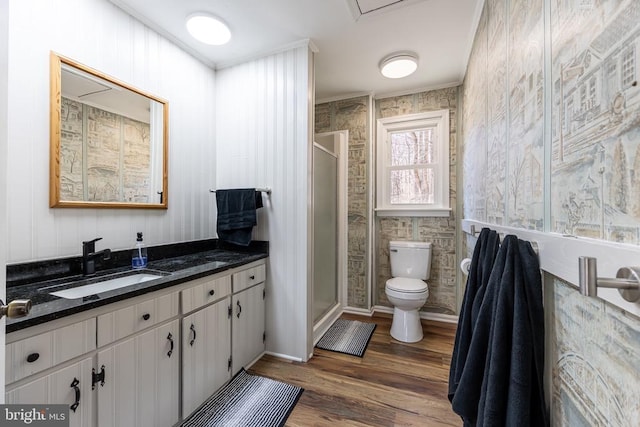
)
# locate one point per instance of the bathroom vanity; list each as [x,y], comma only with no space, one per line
[146,354]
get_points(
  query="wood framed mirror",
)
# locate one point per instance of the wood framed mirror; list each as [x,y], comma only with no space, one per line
[109,141]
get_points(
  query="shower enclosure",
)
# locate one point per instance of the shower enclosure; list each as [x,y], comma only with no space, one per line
[329,226]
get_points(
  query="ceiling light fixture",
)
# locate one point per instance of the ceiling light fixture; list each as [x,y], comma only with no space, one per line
[208,29]
[399,65]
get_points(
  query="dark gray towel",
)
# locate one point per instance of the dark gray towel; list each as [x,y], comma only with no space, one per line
[484,255]
[467,397]
[501,384]
[512,387]
[237,214]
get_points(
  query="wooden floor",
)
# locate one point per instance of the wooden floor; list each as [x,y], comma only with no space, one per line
[394,384]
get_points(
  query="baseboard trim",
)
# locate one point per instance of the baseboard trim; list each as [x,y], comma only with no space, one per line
[440,317]
[325,323]
[283,356]
[360,311]
[437,317]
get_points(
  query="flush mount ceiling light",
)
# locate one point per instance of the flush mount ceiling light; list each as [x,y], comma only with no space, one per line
[208,29]
[398,65]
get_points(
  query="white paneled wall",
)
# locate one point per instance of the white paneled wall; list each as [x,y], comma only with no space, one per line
[4,25]
[263,139]
[100,35]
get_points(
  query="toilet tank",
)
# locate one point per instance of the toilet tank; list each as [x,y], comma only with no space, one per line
[410,259]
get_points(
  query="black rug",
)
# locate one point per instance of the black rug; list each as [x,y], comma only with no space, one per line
[347,336]
[247,401]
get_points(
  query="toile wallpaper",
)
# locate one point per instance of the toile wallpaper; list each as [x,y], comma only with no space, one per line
[104,157]
[579,111]
[440,231]
[353,115]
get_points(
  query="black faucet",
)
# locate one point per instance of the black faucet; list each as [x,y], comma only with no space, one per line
[89,254]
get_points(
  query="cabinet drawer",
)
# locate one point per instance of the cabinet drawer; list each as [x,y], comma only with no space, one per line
[128,320]
[34,354]
[246,278]
[205,291]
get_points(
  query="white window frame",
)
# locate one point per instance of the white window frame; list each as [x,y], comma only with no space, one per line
[434,119]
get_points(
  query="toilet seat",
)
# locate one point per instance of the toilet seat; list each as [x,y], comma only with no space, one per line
[406,285]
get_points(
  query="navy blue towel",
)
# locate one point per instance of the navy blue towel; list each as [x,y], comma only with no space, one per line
[237,214]
[484,255]
[501,383]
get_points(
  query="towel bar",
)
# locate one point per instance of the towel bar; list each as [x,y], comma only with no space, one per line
[473,232]
[264,190]
[627,280]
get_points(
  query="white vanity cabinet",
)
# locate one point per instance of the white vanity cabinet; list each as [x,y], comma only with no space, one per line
[121,364]
[141,379]
[39,352]
[248,323]
[206,340]
[70,385]
[144,361]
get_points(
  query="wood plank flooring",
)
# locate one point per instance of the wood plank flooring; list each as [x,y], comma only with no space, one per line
[394,384]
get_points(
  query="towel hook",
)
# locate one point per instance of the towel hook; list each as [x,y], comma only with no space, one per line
[627,280]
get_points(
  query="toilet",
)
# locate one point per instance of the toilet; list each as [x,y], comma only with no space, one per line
[407,291]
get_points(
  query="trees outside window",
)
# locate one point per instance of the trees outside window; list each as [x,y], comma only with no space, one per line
[413,165]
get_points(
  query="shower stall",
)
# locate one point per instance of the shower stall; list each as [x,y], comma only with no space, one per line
[329,228]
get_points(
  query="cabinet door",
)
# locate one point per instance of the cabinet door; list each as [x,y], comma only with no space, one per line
[141,380]
[248,326]
[60,387]
[206,348]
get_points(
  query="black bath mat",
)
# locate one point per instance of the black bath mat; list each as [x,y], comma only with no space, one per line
[347,336]
[247,401]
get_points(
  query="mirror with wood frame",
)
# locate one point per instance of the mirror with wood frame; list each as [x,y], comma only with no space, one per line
[109,141]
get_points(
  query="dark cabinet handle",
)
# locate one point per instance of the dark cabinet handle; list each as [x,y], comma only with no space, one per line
[212,292]
[193,329]
[252,277]
[170,338]
[74,385]
[146,316]
[239,309]
[33,357]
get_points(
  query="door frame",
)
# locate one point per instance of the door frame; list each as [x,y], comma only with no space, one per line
[341,137]
[4,139]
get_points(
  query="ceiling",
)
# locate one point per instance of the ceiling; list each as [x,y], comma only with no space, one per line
[351,36]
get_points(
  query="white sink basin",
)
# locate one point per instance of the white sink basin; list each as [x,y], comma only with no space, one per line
[106,285]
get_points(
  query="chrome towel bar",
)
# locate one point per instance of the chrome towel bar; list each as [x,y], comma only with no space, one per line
[627,280]
[264,190]
[473,232]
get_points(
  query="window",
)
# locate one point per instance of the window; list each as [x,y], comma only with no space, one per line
[413,165]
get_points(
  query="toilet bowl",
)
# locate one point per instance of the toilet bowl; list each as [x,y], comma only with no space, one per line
[407,290]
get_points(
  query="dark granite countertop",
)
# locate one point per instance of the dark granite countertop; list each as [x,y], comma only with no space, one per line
[175,263]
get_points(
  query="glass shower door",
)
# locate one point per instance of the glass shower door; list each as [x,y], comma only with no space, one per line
[325,228]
